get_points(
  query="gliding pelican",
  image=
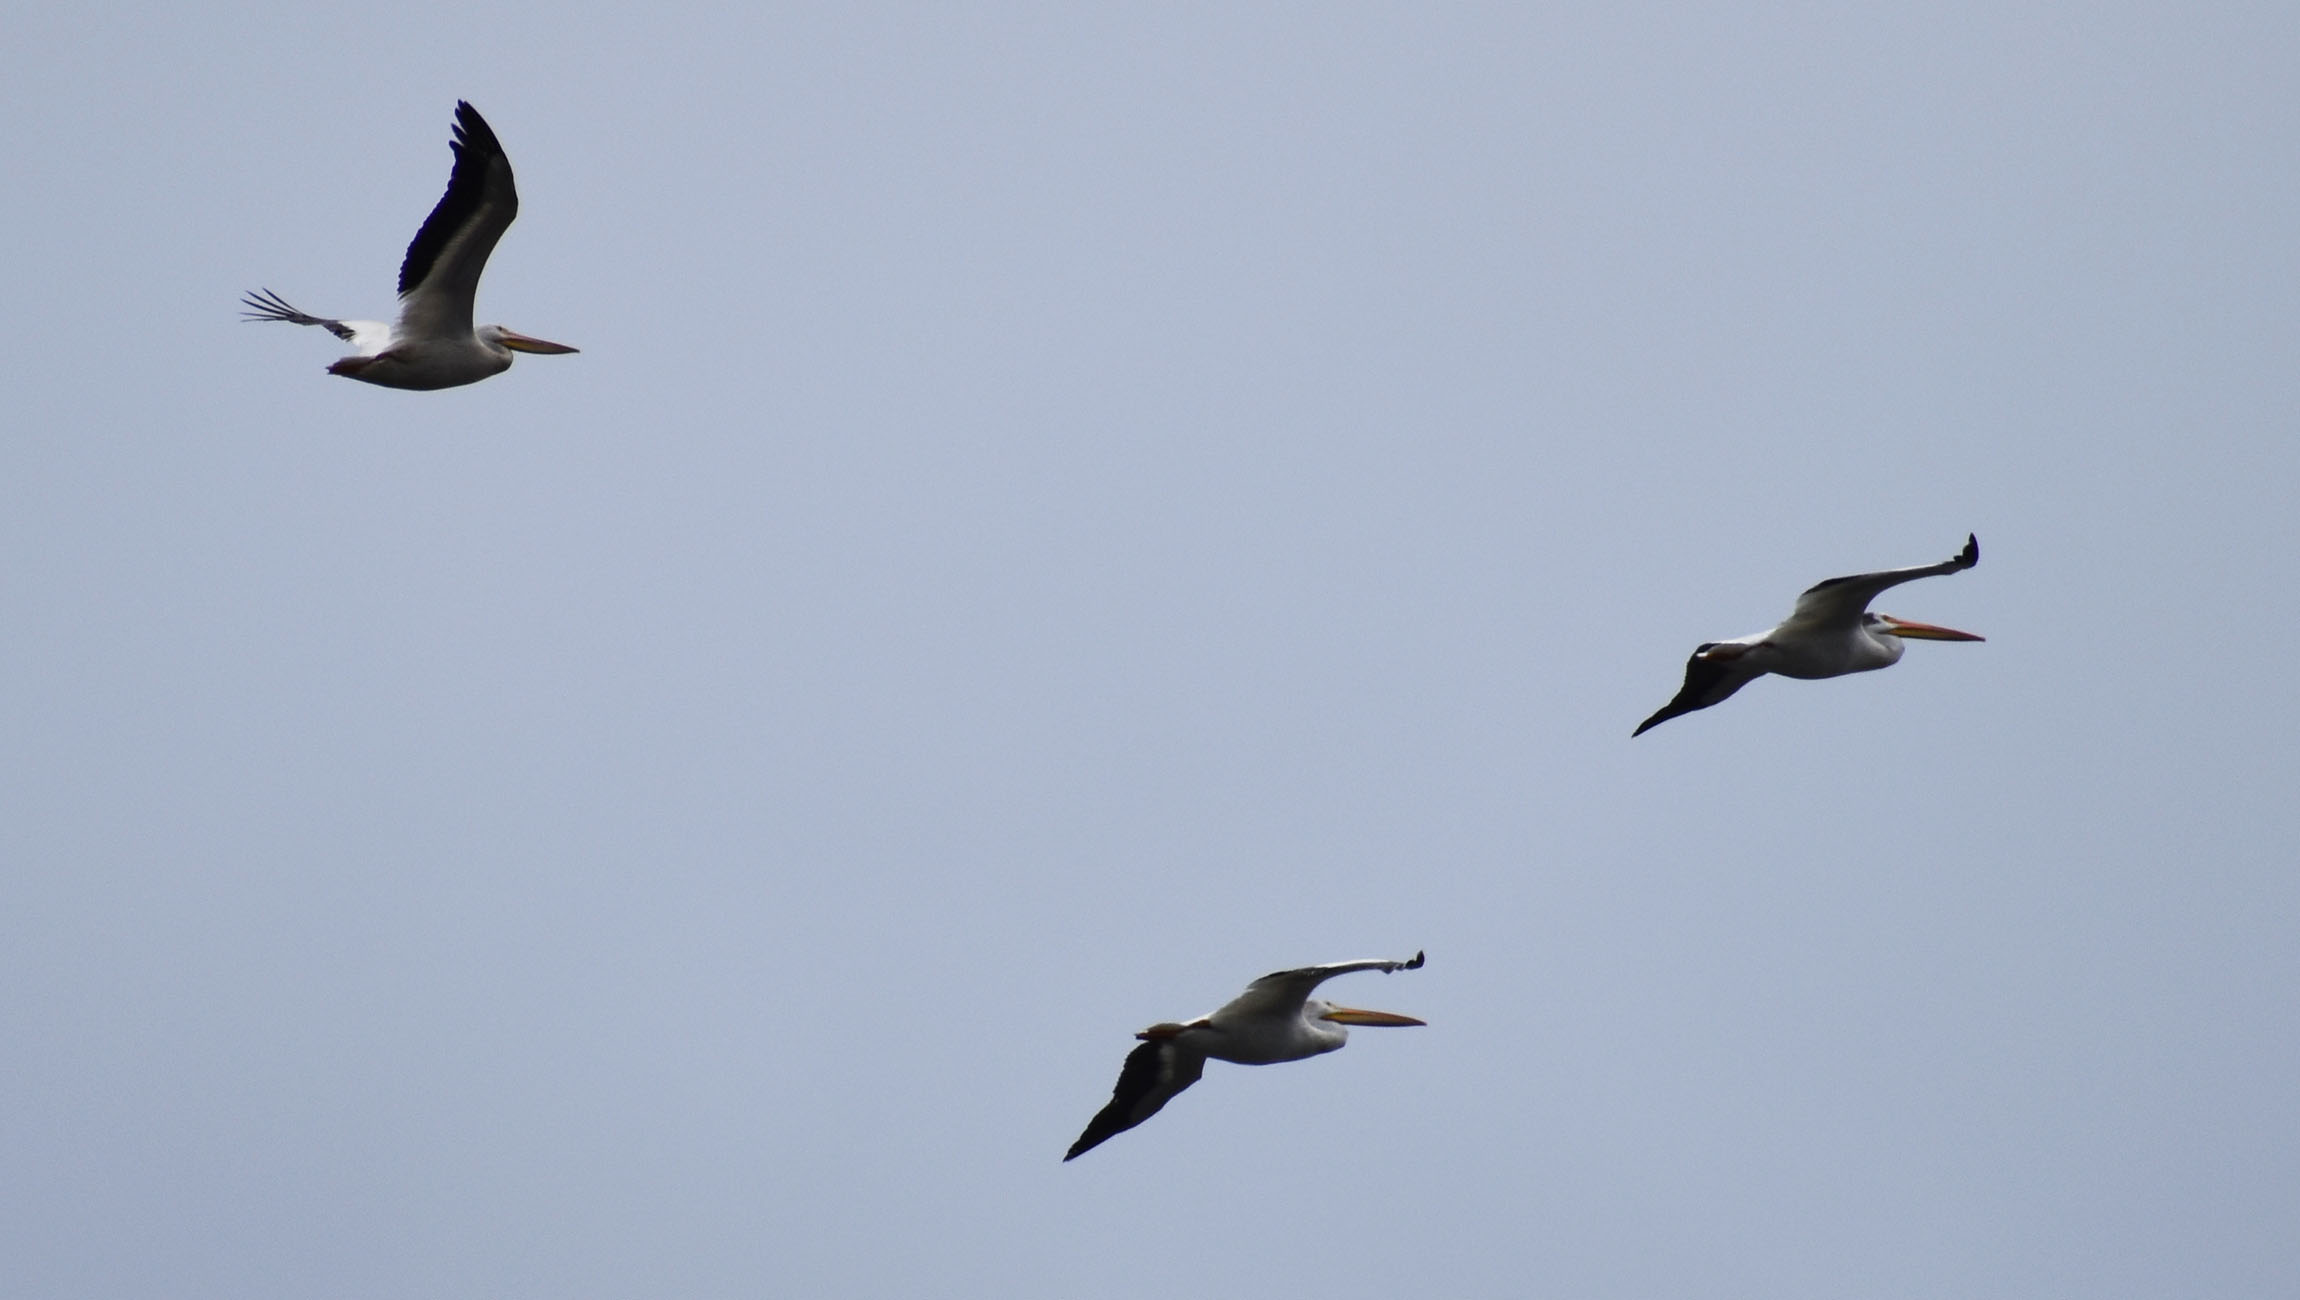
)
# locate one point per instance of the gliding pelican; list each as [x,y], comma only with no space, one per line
[433,344]
[1275,1019]
[1830,633]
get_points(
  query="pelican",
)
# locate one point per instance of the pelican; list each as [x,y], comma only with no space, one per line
[1829,634]
[433,345]
[1275,1019]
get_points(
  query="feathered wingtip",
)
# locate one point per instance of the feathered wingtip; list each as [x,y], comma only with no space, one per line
[263,304]
[472,129]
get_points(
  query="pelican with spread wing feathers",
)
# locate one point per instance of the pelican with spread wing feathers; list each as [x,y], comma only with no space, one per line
[1274,1020]
[1829,634]
[433,344]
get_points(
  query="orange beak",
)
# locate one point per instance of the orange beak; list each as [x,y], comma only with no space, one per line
[522,343]
[1353,1016]
[1925,631]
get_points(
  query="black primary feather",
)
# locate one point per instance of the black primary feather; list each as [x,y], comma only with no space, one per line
[1143,1077]
[476,153]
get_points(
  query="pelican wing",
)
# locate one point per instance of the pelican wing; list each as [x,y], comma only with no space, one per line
[1839,602]
[1280,994]
[263,304]
[1154,1073]
[440,277]
[1708,680]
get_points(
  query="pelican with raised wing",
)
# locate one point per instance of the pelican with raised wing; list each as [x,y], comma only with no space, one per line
[433,343]
[1829,634]
[1274,1020]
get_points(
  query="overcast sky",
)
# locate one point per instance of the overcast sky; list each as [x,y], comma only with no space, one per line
[1062,510]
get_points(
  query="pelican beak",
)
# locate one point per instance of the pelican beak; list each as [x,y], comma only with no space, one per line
[1353,1016]
[1925,631]
[522,343]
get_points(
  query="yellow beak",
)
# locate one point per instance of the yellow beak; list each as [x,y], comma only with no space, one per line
[522,343]
[1353,1016]
[1925,631]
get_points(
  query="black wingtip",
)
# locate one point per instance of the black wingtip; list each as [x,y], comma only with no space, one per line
[1971,555]
[471,130]
[1416,963]
[477,154]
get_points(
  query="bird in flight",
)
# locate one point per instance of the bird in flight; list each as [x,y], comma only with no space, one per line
[1829,634]
[433,343]
[1274,1020]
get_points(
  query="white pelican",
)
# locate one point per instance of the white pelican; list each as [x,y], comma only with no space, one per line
[433,344]
[1275,1019]
[1830,633]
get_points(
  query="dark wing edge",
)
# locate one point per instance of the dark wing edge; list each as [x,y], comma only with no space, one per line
[1707,682]
[1154,1073]
[477,154]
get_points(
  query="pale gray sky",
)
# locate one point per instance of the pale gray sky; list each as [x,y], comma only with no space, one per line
[1064,509]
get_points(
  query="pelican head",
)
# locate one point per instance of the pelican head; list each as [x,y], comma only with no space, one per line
[498,337]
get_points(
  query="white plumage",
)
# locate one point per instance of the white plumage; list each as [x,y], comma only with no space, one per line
[434,344]
[1274,1020]
[1829,634]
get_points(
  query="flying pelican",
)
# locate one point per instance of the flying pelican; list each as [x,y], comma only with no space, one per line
[433,344]
[1275,1019]
[1829,634]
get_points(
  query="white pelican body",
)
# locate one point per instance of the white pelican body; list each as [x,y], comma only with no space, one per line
[1274,1020]
[1829,634]
[433,343]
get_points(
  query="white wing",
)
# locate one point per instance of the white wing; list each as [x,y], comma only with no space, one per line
[440,276]
[367,337]
[1280,994]
[1839,602]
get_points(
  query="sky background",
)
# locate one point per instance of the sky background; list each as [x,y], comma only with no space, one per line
[1064,509]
